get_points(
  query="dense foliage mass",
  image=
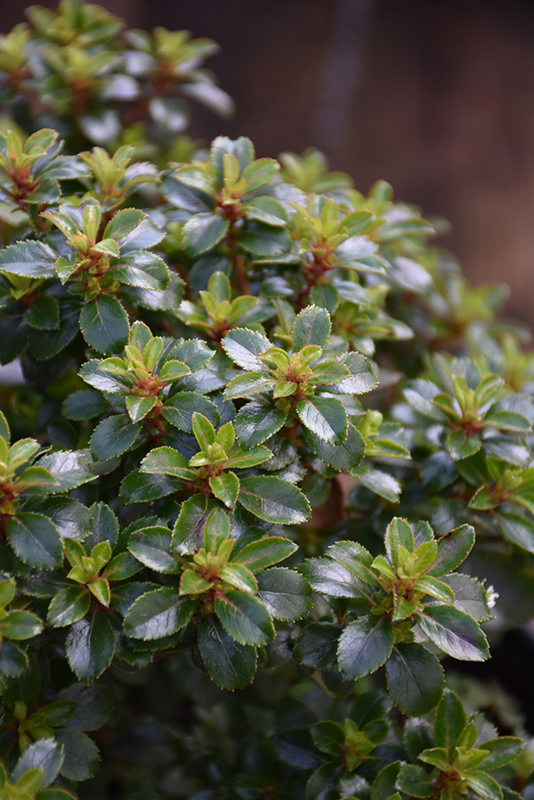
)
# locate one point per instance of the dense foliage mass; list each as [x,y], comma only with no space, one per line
[270,467]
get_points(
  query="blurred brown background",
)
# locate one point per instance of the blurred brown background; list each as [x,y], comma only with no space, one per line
[435,97]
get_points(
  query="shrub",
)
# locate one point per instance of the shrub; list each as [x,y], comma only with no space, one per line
[269,447]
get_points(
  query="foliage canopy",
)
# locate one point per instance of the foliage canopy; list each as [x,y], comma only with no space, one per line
[269,449]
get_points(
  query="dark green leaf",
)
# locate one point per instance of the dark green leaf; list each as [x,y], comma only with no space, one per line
[311,326]
[151,546]
[113,436]
[265,552]
[244,618]
[517,529]
[230,664]
[225,487]
[43,314]
[80,755]
[20,625]
[69,606]
[415,679]
[274,500]
[325,417]
[344,457]
[157,614]
[84,404]
[501,751]
[263,240]
[179,410]
[449,722]
[285,593]
[364,646]
[317,645]
[30,259]
[90,647]
[335,580]
[104,324]
[453,549]
[35,540]
[70,468]
[257,421]
[244,346]
[415,781]
[202,232]
[45,754]
[13,661]
[454,632]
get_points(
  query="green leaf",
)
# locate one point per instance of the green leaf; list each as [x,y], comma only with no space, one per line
[202,232]
[250,384]
[462,445]
[13,661]
[105,526]
[244,618]
[141,269]
[123,223]
[20,625]
[364,646]
[325,417]
[317,645]
[469,596]
[157,614]
[330,578]
[30,259]
[449,722]
[384,784]
[415,781]
[517,529]
[484,785]
[70,468]
[454,632]
[244,346]
[239,577]
[263,240]
[381,483]
[501,751]
[324,782]
[113,436]
[167,461]
[264,553]
[179,409]
[81,757]
[84,404]
[453,549]
[274,500]
[311,326]
[285,593]
[69,606]
[35,540]
[43,314]
[230,664]
[104,324]
[266,209]
[93,705]
[260,172]
[257,421]
[188,532]
[151,547]
[90,647]
[45,754]
[345,457]
[415,679]
[138,407]
[225,487]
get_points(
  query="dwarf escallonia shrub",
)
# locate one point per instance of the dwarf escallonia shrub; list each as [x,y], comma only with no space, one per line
[269,472]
